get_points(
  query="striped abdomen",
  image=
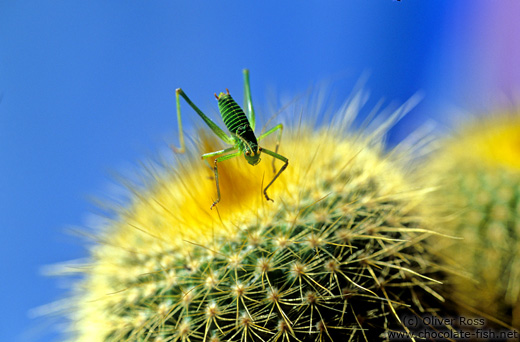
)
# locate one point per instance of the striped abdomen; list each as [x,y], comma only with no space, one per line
[235,119]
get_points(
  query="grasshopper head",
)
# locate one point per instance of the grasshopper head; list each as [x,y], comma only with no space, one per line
[252,157]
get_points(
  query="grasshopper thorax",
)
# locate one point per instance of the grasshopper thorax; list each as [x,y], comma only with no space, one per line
[248,145]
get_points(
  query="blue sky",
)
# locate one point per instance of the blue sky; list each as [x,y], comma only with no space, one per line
[87,88]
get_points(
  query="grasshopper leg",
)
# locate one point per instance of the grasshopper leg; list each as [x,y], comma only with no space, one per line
[277,156]
[215,169]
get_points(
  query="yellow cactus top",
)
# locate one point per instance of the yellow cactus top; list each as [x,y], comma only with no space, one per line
[493,141]
[176,210]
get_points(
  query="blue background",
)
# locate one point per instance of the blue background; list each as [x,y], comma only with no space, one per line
[87,87]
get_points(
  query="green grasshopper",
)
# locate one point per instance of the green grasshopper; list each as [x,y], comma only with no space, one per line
[241,129]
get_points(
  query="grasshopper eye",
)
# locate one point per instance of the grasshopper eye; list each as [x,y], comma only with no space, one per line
[248,153]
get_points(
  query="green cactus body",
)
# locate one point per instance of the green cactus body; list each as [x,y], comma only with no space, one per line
[338,257]
[477,174]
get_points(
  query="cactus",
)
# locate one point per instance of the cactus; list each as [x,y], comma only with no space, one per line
[477,173]
[338,255]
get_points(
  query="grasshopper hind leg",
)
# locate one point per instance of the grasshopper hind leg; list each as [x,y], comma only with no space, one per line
[181,149]
[214,127]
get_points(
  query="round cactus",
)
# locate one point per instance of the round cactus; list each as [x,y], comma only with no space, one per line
[477,175]
[337,256]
